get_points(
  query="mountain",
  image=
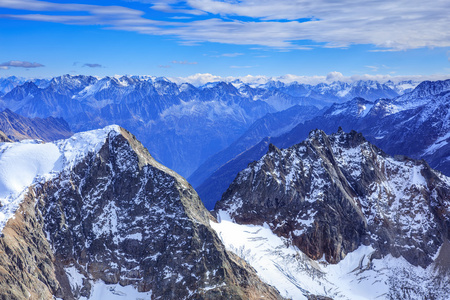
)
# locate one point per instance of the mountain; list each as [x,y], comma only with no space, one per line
[345,114]
[178,114]
[395,125]
[96,217]
[9,83]
[272,124]
[402,87]
[18,128]
[333,197]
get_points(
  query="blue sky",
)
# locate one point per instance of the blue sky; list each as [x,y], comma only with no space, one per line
[225,38]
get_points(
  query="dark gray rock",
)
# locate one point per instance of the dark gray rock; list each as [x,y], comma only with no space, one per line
[330,194]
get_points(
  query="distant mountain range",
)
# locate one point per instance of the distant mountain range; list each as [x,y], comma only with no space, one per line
[414,124]
[182,125]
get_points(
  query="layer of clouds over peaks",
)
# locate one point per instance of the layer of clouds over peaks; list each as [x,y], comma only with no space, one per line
[201,79]
[282,24]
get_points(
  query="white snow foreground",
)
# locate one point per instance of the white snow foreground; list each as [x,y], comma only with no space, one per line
[25,163]
[102,291]
[288,269]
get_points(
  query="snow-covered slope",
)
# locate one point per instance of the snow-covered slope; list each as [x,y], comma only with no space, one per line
[357,277]
[32,161]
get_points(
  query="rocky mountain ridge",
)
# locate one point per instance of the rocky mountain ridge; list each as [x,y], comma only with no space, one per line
[331,195]
[364,186]
[104,216]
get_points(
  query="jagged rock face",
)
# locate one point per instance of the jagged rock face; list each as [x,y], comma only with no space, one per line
[4,137]
[331,194]
[119,216]
[27,269]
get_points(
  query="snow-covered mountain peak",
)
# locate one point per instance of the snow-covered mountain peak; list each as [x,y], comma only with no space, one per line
[30,161]
[427,88]
[331,195]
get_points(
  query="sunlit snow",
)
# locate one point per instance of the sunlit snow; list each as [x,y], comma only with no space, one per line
[295,275]
[28,162]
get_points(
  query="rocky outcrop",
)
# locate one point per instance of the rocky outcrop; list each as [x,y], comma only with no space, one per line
[330,194]
[4,137]
[119,217]
[27,263]
[18,128]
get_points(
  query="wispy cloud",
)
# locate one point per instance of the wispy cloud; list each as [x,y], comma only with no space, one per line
[232,54]
[180,18]
[20,64]
[93,65]
[165,6]
[184,62]
[388,25]
[377,68]
[373,68]
[241,67]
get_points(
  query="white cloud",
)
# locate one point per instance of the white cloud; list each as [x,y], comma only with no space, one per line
[388,25]
[335,76]
[197,79]
[231,54]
